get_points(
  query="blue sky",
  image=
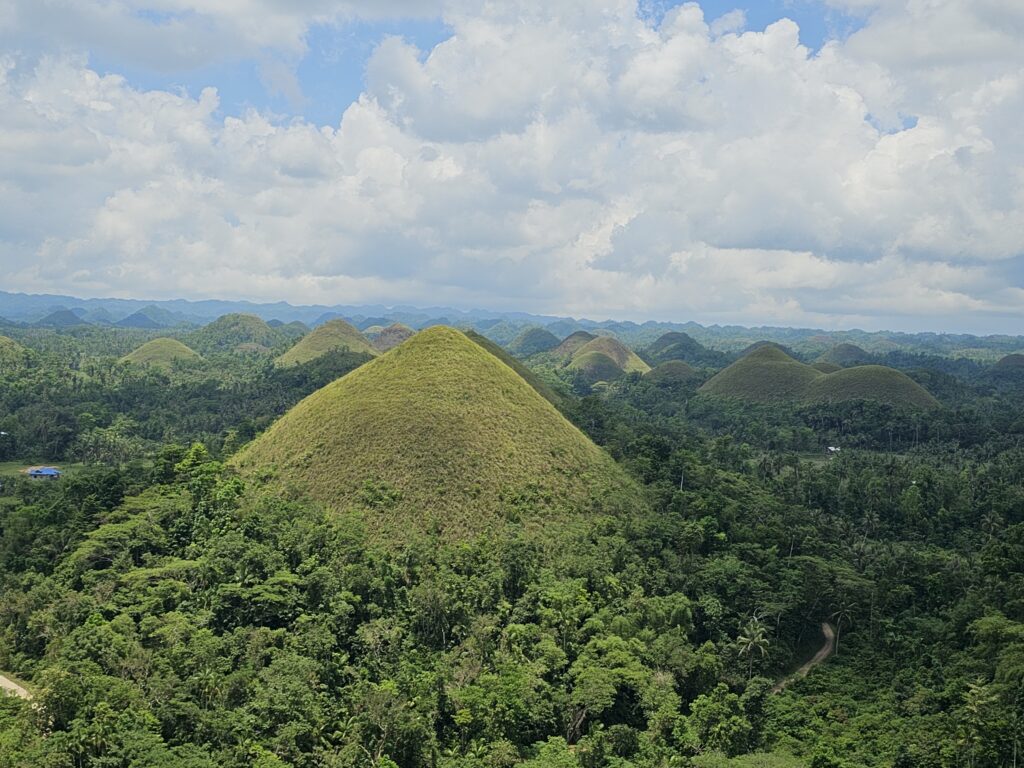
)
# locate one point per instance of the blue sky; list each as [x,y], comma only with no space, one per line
[626,159]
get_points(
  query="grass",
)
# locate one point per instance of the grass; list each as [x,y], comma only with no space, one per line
[438,434]
[524,371]
[595,367]
[625,358]
[532,341]
[826,367]
[334,334]
[1014,362]
[570,345]
[16,468]
[160,353]
[769,375]
[846,355]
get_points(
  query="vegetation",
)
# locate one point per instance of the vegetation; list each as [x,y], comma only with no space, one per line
[479,601]
[334,334]
[532,341]
[846,356]
[161,353]
[436,434]
[389,337]
[624,358]
[676,345]
[769,375]
[672,372]
[550,392]
[570,345]
[237,332]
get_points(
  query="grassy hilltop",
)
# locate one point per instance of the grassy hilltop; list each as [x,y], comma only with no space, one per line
[334,334]
[768,375]
[236,332]
[436,432]
[160,353]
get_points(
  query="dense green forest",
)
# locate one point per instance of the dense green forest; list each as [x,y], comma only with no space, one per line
[165,610]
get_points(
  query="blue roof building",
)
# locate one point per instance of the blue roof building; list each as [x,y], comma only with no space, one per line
[44,473]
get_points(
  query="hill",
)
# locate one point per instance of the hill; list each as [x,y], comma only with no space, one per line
[570,345]
[12,354]
[769,375]
[62,318]
[160,353]
[625,358]
[235,332]
[870,382]
[533,340]
[436,433]
[334,334]
[527,374]
[595,366]
[1012,364]
[676,345]
[846,356]
[826,367]
[765,375]
[389,337]
[671,372]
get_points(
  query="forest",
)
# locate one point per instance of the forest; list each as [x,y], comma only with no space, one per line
[166,608]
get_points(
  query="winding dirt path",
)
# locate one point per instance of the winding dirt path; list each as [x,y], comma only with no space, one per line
[11,688]
[829,633]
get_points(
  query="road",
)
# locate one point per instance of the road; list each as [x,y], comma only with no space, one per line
[829,633]
[11,688]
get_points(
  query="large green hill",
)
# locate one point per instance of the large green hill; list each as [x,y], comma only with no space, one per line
[671,372]
[570,345]
[437,433]
[533,340]
[334,334]
[676,345]
[847,355]
[235,332]
[388,337]
[768,375]
[528,375]
[160,353]
[625,358]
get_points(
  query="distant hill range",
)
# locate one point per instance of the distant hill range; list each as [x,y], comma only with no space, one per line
[709,346]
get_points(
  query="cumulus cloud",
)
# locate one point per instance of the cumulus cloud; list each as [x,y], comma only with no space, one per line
[563,157]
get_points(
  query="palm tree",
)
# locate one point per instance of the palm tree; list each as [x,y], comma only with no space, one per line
[753,640]
[843,615]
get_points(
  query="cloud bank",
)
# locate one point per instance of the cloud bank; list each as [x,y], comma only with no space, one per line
[568,157]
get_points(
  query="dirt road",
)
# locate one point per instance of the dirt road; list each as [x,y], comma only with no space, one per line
[11,688]
[829,633]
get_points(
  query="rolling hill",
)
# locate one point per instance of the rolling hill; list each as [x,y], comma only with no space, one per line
[676,345]
[160,353]
[847,355]
[334,334]
[437,434]
[869,382]
[531,378]
[61,318]
[389,337]
[533,340]
[625,358]
[826,367]
[768,375]
[235,333]
[570,345]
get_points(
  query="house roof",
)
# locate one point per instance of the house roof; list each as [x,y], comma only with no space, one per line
[44,471]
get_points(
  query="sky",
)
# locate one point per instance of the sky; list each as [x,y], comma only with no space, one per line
[825,163]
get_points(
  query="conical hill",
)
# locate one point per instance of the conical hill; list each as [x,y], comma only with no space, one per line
[437,434]
[334,334]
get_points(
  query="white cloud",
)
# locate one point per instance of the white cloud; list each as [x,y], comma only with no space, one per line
[561,157]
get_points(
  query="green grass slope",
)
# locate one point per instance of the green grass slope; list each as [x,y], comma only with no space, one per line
[532,341]
[623,356]
[436,434]
[234,332]
[671,372]
[160,353]
[570,345]
[870,382]
[595,367]
[676,345]
[764,375]
[531,378]
[334,334]
[390,337]
[1010,364]
[826,367]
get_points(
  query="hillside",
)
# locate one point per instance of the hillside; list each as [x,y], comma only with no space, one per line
[235,332]
[625,358]
[12,354]
[595,367]
[334,334]
[869,382]
[676,345]
[671,372]
[531,378]
[385,338]
[62,318]
[570,345]
[533,340]
[769,375]
[436,432]
[847,356]
[160,353]
[826,367]
[764,375]
[1013,364]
